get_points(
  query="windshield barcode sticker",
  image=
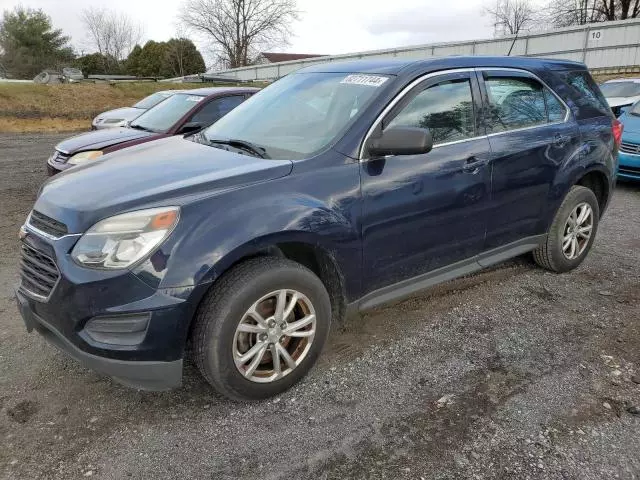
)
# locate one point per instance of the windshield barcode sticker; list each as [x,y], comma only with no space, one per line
[366,80]
[194,98]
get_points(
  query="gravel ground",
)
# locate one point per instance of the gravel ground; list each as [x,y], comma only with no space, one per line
[511,373]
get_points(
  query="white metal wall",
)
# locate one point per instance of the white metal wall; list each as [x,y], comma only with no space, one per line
[599,45]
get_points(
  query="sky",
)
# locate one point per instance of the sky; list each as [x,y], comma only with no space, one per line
[325,26]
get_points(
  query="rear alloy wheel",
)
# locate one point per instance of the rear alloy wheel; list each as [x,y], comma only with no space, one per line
[577,231]
[572,232]
[261,328]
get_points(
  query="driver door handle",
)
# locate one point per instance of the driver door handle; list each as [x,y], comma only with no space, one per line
[473,164]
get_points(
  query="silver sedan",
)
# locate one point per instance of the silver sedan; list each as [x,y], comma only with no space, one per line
[120,117]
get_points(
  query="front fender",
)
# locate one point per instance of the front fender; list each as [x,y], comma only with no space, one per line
[240,223]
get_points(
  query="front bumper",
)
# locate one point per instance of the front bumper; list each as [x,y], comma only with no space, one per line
[148,358]
[146,375]
[628,166]
[54,167]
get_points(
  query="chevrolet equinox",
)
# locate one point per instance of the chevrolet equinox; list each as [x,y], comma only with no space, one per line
[336,189]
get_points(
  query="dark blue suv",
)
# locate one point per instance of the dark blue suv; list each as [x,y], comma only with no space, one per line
[334,190]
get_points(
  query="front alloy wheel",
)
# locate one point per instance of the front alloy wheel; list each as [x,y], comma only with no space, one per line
[274,336]
[261,328]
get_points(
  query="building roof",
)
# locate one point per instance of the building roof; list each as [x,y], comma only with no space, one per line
[285,57]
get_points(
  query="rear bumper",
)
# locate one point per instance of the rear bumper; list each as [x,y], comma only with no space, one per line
[146,375]
[628,166]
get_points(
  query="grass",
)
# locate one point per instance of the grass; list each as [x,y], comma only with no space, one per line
[42,125]
[26,107]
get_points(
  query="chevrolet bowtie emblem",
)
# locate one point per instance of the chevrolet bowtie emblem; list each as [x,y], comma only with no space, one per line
[22,234]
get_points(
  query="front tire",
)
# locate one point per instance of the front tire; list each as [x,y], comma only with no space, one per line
[572,232]
[261,328]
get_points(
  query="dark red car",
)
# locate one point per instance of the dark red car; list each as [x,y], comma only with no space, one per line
[182,113]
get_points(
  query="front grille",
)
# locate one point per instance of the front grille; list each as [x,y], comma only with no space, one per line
[629,170]
[38,273]
[631,148]
[47,224]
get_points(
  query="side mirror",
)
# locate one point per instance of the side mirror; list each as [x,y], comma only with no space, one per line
[401,141]
[191,127]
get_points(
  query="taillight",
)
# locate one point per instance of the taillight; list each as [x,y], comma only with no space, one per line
[617,128]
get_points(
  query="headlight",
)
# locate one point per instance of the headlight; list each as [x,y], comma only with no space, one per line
[120,241]
[84,157]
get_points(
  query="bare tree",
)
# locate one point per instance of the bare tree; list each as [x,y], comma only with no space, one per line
[619,9]
[511,17]
[238,29]
[563,13]
[112,34]
[177,51]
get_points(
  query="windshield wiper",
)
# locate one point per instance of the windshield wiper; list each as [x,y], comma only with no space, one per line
[243,145]
[140,127]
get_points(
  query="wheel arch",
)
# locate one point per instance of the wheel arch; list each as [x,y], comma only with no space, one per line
[597,181]
[302,247]
[596,177]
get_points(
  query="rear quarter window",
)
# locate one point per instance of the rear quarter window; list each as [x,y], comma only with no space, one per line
[586,95]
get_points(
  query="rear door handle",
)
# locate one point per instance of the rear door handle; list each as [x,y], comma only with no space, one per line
[473,165]
[561,140]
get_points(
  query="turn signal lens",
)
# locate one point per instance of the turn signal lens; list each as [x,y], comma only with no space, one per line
[164,220]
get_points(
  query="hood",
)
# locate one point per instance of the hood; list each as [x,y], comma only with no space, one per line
[124,113]
[621,101]
[631,125]
[171,171]
[99,139]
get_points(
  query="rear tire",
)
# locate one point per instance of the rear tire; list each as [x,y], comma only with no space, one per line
[240,328]
[566,245]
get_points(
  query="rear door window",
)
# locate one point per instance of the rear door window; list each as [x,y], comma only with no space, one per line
[515,103]
[556,111]
[520,102]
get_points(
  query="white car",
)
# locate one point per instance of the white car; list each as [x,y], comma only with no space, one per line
[120,117]
[620,93]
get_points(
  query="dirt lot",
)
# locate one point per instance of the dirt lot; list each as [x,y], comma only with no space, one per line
[512,373]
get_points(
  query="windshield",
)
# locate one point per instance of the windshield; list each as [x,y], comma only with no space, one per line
[152,100]
[299,115]
[635,109]
[620,89]
[164,115]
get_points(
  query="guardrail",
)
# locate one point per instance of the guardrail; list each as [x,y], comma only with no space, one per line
[12,80]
